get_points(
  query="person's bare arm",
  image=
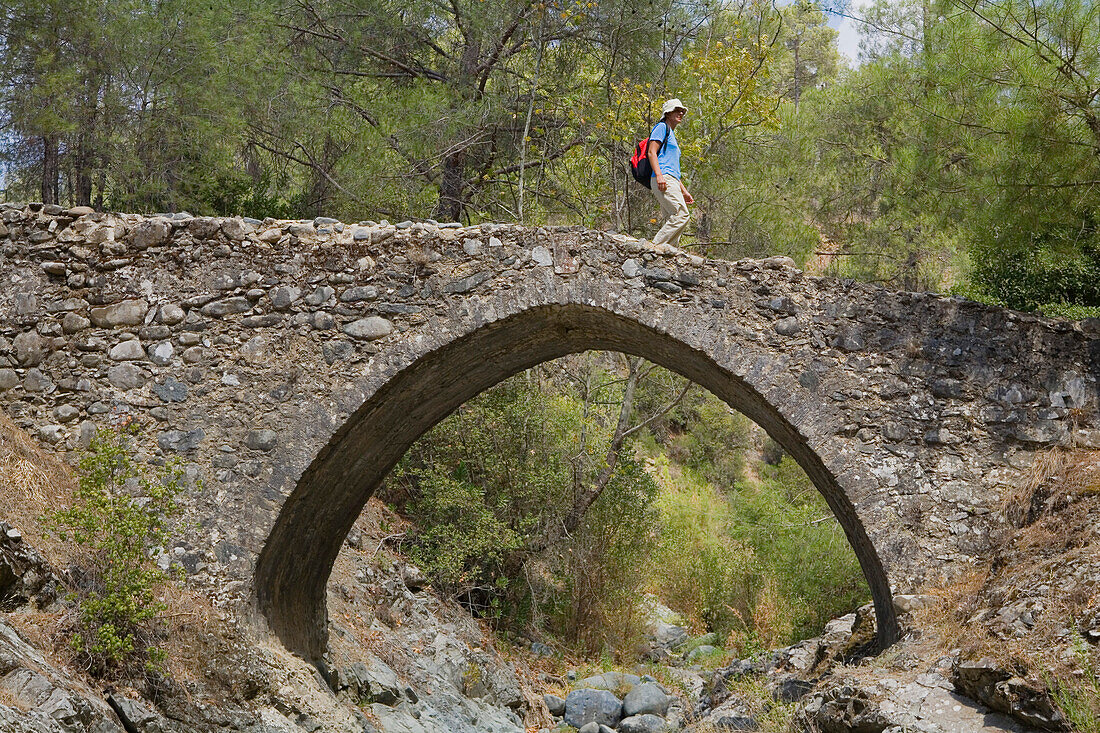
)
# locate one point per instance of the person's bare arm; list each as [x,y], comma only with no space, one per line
[654,148]
[687,194]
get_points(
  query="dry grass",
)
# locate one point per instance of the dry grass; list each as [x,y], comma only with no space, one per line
[1052,516]
[32,483]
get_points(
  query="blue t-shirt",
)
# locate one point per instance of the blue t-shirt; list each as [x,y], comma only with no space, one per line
[669,156]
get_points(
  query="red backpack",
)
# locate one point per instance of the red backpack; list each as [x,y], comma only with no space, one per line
[639,162]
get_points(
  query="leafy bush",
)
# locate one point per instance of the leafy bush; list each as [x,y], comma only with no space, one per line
[764,563]
[486,485]
[601,572]
[120,515]
[699,568]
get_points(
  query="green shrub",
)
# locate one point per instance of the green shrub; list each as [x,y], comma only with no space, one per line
[1079,699]
[763,563]
[120,515]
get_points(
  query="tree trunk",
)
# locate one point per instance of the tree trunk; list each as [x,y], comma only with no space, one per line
[82,171]
[51,170]
[452,188]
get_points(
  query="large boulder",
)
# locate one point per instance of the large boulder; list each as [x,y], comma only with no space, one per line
[592,706]
[646,698]
[1025,700]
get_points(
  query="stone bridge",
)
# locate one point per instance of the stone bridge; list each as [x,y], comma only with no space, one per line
[291,364]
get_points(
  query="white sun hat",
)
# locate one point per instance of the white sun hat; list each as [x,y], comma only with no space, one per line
[671,105]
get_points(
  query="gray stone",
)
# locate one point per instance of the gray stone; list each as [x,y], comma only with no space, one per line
[193,355]
[284,296]
[647,697]
[322,320]
[129,350]
[631,268]
[703,650]
[261,440]
[36,381]
[170,314]
[74,322]
[589,728]
[357,294]
[126,313]
[161,354]
[150,233]
[466,284]
[542,257]
[227,307]
[787,326]
[127,376]
[51,434]
[171,390]
[8,379]
[370,328]
[30,348]
[588,706]
[621,682]
[236,230]
[320,295]
[555,704]
[372,682]
[646,723]
[65,413]
[181,441]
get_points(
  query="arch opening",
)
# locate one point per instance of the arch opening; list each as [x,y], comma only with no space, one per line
[296,561]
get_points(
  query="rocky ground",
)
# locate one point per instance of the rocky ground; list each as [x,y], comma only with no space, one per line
[978,656]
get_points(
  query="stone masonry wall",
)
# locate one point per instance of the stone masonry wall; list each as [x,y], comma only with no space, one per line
[289,363]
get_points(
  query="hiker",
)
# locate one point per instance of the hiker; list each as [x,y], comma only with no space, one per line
[664,157]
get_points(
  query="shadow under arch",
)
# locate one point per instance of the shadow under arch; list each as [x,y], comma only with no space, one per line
[294,565]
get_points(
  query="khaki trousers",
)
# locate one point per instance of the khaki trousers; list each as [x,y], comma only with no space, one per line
[674,207]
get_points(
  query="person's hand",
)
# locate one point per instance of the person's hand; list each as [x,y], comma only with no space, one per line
[662,183]
[688,198]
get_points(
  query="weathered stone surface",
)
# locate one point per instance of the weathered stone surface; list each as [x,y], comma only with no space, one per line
[128,350]
[261,440]
[647,697]
[646,723]
[150,233]
[592,706]
[373,327]
[886,398]
[74,322]
[29,348]
[127,376]
[181,441]
[229,306]
[126,313]
[170,390]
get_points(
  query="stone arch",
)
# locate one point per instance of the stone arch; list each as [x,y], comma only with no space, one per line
[294,565]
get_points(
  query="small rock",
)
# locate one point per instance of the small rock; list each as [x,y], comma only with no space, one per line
[180,441]
[592,706]
[542,257]
[126,313]
[74,322]
[171,390]
[357,294]
[8,379]
[129,350]
[370,328]
[170,314]
[647,723]
[555,704]
[261,440]
[161,354]
[126,376]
